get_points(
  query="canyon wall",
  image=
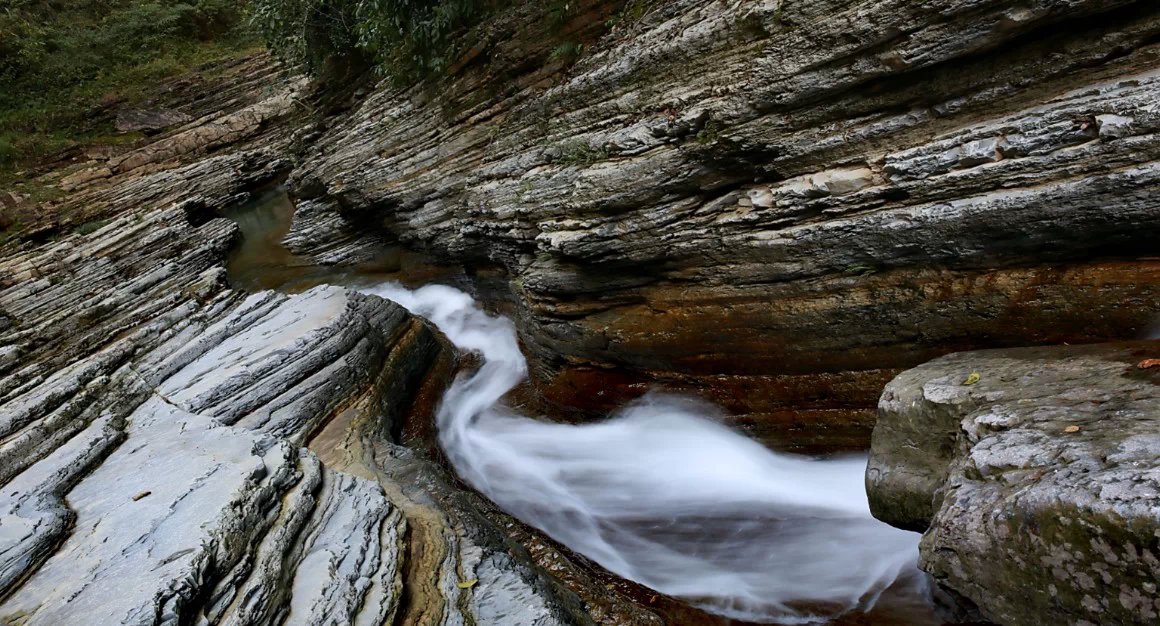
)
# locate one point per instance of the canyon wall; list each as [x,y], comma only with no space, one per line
[776,205]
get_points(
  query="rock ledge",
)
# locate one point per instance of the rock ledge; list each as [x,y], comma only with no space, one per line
[1038,486]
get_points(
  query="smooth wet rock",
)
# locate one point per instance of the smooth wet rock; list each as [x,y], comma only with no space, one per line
[1038,486]
[199,500]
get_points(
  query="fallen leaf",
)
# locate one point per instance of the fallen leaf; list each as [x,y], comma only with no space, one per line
[143,494]
[467,584]
[1148,364]
[1071,429]
[972,379]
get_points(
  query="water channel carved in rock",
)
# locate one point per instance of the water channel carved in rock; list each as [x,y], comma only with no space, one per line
[211,410]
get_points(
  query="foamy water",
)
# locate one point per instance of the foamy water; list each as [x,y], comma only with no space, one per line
[662,494]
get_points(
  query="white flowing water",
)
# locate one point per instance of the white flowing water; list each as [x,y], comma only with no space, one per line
[662,494]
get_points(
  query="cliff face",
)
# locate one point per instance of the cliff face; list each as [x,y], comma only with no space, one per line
[777,205]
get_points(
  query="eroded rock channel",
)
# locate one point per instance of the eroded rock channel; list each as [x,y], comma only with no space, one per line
[199,452]
[660,494]
[207,415]
[165,471]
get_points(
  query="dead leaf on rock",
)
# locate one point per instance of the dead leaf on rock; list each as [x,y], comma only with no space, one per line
[467,584]
[972,379]
[1148,364]
[1071,429]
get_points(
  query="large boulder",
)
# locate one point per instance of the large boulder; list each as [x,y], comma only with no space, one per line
[1038,486]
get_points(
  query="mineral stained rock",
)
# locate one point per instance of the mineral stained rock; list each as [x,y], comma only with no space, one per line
[1038,486]
[777,205]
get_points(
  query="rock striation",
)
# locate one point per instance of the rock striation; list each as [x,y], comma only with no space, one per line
[174,450]
[1038,487]
[777,205]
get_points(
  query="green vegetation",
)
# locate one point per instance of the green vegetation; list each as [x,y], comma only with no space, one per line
[631,13]
[89,228]
[860,270]
[404,39]
[566,51]
[61,60]
[68,66]
[577,152]
[709,133]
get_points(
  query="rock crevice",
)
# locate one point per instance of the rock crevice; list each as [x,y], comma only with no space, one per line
[163,453]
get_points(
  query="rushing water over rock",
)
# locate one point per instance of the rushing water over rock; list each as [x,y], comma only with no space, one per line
[663,495]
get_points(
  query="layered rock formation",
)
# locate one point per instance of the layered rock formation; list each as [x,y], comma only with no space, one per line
[174,450]
[777,205]
[1040,483]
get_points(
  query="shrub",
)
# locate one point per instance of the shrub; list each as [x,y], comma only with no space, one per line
[214,18]
[8,152]
[405,39]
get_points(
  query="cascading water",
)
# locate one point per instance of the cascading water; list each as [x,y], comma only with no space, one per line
[662,495]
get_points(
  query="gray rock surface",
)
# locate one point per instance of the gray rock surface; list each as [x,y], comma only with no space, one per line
[776,205]
[1038,486]
[131,120]
[164,437]
[330,240]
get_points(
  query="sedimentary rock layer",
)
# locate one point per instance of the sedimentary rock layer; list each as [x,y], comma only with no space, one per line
[1038,486]
[170,446]
[802,197]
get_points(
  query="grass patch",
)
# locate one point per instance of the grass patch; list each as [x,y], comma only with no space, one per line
[581,153]
[567,52]
[89,228]
[65,64]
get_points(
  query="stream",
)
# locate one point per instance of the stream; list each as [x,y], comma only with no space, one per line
[660,493]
